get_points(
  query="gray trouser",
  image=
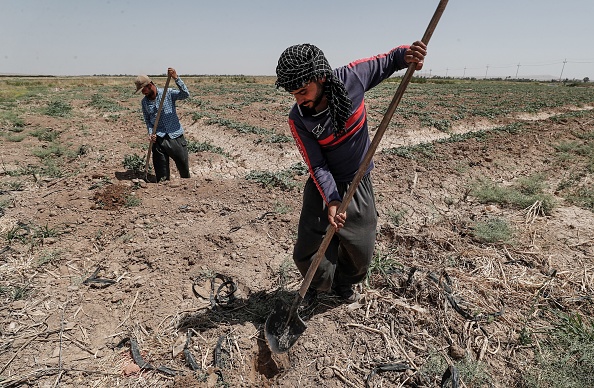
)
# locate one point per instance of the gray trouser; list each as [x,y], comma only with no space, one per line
[351,249]
[176,149]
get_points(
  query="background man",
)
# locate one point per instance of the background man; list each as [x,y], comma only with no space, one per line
[168,140]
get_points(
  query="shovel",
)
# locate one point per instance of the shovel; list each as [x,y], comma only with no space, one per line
[284,326]
[150,148]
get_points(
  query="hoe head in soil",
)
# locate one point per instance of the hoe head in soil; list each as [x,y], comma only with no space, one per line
[284,326]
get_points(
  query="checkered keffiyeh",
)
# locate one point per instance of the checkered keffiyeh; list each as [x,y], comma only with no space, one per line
[302,63]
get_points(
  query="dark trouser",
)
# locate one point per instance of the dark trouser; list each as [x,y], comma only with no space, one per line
[351,249]
[176,149]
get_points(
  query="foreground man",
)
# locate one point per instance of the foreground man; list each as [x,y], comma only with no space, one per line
[168,140]
[329,124]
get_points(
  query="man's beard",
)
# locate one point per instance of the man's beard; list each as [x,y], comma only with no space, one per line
[312,111]
[306,111]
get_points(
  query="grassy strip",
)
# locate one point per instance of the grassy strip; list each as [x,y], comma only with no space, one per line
[284,179]
[523,194]
[565,359]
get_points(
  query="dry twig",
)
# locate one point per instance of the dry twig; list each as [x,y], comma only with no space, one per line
[381,333]
[343,378]
[129,310]
[17,352]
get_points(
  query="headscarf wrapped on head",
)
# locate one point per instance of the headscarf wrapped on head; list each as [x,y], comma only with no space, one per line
[302,63]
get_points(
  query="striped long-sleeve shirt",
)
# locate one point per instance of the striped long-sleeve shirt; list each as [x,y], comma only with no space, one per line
[333,159]
[168,121]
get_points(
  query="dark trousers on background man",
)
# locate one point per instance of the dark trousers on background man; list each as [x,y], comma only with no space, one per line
[176,149]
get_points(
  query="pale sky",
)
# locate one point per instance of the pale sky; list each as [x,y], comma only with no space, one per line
[474,38]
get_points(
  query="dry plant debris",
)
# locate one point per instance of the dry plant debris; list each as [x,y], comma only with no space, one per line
[186,272]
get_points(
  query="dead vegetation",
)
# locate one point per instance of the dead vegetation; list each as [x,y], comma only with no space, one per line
[108,281]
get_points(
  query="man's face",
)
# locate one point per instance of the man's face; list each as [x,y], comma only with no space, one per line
[150,91]
[310,95]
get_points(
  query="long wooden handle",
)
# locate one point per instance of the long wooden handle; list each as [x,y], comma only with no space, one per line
[317,259]
[148,153]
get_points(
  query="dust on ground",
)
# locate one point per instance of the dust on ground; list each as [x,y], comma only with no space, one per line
[126,283]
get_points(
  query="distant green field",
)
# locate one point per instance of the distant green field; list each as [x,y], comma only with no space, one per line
[439,103]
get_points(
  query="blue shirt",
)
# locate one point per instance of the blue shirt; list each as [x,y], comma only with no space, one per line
[168,122]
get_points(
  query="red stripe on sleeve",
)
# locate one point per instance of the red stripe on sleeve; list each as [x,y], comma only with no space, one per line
[354,63]
[303,152]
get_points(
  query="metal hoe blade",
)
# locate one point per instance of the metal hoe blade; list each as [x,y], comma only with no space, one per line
[284,326]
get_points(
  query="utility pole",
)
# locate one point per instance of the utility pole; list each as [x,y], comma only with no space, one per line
[563,68]
[446,72]
[517,71]
[486,71]
[464,74]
